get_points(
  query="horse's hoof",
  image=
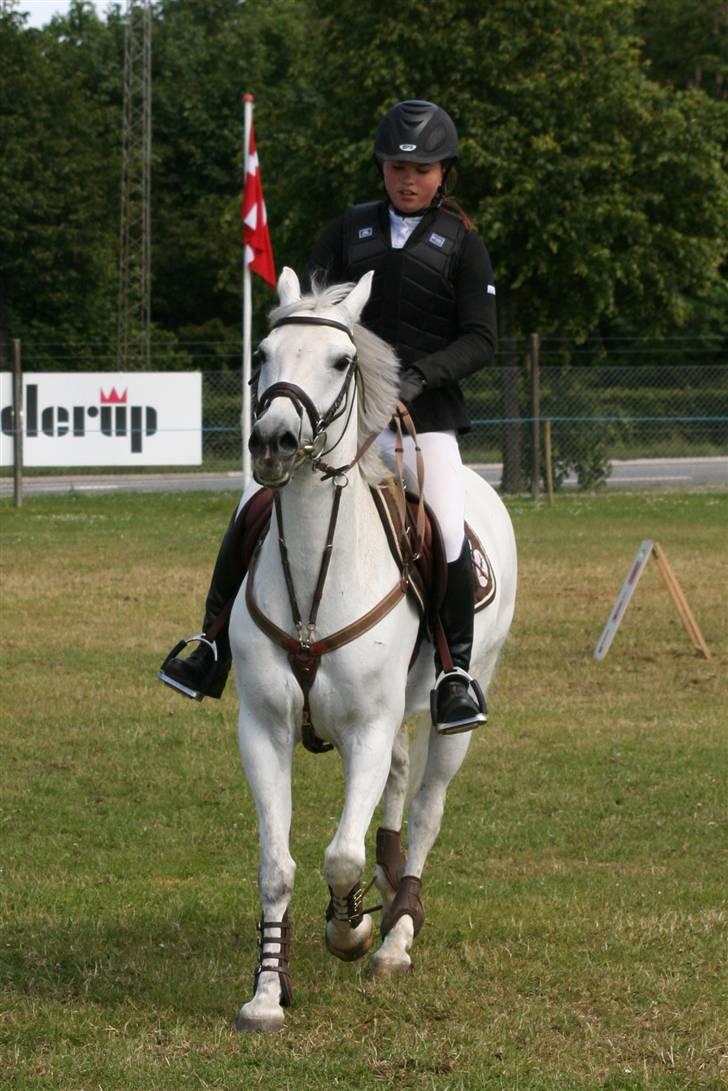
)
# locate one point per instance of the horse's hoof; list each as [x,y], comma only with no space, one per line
[391,967]
[268,1024]
[361,946]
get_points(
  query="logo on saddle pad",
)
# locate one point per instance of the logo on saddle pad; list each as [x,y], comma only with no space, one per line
[481,569]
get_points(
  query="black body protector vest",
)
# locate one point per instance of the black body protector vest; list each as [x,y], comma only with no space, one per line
[412,305]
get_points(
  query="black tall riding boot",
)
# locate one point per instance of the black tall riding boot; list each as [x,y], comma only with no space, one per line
[205,671]
[453,707]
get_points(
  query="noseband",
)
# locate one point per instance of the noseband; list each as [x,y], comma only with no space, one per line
[301,401]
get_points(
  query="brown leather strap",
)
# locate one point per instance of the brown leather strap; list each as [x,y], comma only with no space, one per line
[304,660]
[402,418]
[285,565]
[442,645]
[325,557]
[390,857]
[336,471]
[362,624]
[275,962]
[278,636]
[407,902]
[335,640]
[323,567]
[221,620]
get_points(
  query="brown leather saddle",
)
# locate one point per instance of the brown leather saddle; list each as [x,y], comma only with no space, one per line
[427,570]
[428,573]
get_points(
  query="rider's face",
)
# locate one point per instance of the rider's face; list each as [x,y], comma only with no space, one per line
[411,186]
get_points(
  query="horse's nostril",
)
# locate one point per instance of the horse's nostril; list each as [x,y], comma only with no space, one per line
[272,446]
[288,443]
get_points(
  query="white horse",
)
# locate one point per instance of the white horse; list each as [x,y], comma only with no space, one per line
[325,383]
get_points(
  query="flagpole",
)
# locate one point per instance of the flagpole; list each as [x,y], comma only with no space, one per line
[247,311]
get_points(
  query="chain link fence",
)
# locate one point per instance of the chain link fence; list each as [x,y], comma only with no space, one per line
[645,399]
[597,413]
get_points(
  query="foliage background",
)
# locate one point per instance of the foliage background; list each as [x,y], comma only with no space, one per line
[593,156]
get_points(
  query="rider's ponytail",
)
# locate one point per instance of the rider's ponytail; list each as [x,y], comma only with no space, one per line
[451,203]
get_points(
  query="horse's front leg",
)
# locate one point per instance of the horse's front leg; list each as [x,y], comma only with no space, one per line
[267,758]
[366,755]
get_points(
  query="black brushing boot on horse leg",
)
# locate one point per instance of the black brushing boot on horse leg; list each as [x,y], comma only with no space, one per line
[204,672]
[453,708]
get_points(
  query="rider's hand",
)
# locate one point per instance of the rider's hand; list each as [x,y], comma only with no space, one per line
[411,384]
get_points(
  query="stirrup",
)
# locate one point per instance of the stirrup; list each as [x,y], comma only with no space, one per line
[468,723]
[168,679]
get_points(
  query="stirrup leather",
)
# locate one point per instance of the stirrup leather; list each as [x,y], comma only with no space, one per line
[195,694]
[469,722]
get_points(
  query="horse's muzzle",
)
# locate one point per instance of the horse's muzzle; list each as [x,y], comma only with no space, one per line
[275,457]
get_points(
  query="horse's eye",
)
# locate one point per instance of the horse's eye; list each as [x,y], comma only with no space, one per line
[342,363]
[259,356]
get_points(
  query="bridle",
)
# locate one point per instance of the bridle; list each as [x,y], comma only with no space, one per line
[302,403]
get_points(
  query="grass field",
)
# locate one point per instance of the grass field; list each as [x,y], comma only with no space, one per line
[577,899]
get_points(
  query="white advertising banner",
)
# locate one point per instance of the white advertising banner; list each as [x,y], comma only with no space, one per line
[104,418]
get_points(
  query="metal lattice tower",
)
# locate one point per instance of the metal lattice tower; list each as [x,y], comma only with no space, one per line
[133,331]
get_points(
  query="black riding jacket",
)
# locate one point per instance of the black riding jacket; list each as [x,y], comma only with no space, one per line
[433,300]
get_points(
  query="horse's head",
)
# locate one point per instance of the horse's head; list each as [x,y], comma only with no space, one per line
[306,384]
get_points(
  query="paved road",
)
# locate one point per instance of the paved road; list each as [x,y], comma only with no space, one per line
[637,473]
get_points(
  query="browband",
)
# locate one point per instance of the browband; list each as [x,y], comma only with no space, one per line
[312,320]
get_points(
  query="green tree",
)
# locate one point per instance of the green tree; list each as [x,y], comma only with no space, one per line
[686,45]
[205,56]
[57,228]
[598,192]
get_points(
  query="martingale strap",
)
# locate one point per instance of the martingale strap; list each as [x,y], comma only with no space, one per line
[317,648]
[305,658]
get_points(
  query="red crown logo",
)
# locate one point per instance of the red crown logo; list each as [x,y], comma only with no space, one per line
[113,397]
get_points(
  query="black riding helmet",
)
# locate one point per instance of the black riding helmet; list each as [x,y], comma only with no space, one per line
[417,131]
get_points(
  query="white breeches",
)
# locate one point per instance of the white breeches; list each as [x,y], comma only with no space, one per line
[444,485]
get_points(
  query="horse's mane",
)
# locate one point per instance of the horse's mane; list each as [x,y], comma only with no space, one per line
[378,367]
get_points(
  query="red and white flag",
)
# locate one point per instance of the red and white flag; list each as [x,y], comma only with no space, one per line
[256,236]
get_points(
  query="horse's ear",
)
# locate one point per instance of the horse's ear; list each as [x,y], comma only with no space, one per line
[289,288]
[357,298]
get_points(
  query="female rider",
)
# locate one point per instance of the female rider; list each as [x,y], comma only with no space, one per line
[433,300]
